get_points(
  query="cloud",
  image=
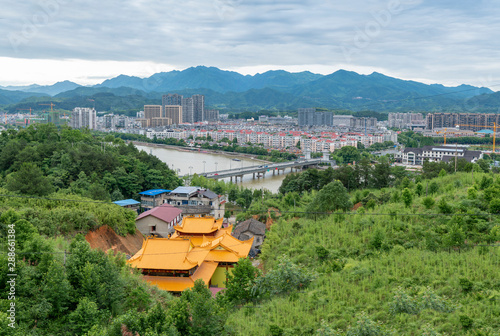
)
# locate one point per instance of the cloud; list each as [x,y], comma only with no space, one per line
[443,41]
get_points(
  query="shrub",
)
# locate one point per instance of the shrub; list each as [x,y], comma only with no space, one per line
[402,302]
[428,202]
[366,327]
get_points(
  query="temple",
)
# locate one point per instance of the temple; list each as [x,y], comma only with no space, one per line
[200,248]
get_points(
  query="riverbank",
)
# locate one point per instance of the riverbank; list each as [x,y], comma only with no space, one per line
[233,155]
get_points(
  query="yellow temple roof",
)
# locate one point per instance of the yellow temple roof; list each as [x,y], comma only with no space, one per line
[198,225]
[184,251]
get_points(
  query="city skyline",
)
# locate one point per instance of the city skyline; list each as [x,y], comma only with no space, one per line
[450,43]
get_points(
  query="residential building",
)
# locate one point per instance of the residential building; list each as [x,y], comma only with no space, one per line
[405,120]
[198,107]
[188,110]
[171,99]
[199,249]
[159,221]
[83,117]
[153,111]
[211,115]
[174,112]
[343,121]
[129,204]
[153,198]
[251,228]
[197,201]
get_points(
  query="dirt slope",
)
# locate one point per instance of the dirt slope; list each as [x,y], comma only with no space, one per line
[105,238]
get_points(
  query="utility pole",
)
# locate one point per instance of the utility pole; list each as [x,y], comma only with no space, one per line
[456,153]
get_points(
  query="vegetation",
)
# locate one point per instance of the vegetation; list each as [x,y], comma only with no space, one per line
[42,159]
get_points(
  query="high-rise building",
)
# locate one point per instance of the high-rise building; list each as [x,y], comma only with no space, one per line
[174,113]
[188,110]
[152,111]
[198,108]
[83,117]
[466,121]
[171,99]
[211,115]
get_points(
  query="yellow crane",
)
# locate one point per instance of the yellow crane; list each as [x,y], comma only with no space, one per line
[51,106]
[29,120]
[445,132]
[489,126]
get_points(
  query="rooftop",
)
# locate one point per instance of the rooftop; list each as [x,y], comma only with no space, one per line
[127,202]
[154,192]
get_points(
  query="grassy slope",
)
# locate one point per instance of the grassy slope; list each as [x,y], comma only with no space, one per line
[368,281]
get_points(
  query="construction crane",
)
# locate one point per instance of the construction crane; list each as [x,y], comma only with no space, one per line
[29,120]
[445,132]
[489,126]
[51,106]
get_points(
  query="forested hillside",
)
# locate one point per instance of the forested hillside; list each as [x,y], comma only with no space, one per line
[368,249]
[41,159]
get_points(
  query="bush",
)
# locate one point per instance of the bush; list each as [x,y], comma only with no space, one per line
[366,327]
[428,202]
[402,302]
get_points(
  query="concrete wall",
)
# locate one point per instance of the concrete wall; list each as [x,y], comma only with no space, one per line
[144,226]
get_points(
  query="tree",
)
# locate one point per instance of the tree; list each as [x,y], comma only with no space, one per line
[428,202]
[240,282]
[332,197]
[407,197]
[85,316]
[29,180]
[348,154]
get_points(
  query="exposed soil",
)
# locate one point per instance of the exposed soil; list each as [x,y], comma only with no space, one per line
[105,239]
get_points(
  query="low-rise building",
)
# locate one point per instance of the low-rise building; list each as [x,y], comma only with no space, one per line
[417,156]
[129,204]
[159,221]
[197,201]
[251,228]
[153,198]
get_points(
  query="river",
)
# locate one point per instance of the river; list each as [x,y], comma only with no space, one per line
[191,162]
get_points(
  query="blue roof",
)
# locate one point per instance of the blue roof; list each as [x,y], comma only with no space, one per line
[487,131]
[185,190]
[154,192]
[127,202]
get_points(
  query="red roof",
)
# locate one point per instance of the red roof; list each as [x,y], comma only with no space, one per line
[164,212]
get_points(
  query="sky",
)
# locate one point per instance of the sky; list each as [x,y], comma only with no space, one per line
[438,41]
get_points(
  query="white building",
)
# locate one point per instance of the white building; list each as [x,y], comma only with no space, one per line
[83,117]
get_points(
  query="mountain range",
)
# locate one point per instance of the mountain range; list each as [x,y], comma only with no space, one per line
[277,89]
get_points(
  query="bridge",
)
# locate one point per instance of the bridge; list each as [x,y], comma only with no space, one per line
[261,170]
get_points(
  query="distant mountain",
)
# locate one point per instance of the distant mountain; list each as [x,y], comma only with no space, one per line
[12,97]
[210,78]
[269,90]
[51,90]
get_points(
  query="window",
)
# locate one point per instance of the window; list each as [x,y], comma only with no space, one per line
[153,229]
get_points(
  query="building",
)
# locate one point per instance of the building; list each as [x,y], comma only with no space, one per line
[465,121]
[159,221]
[405,120]
[83,117]
[153,198]
[197,201]
[129,204]
[417,156]
[153,111]
[211,115]
[174,113]
[199,249]
[251,228]
[198,108]
[343,121]
[171,99]
[188,110]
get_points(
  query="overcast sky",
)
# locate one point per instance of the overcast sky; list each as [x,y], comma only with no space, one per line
[438,41]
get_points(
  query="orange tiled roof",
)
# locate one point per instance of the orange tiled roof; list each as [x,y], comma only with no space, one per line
[198,225]
[163,253]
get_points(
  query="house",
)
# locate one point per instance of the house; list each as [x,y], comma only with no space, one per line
[200,248]
[251,228]
[129,204]
[196,201]
[153,198]
[159,221]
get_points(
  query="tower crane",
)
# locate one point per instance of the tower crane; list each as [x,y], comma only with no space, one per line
[29,120]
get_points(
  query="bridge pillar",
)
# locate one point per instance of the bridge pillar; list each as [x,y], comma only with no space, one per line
[231,179]
[274,170]
[254,176]
[241,178]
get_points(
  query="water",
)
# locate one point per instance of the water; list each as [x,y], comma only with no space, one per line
[191,162]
